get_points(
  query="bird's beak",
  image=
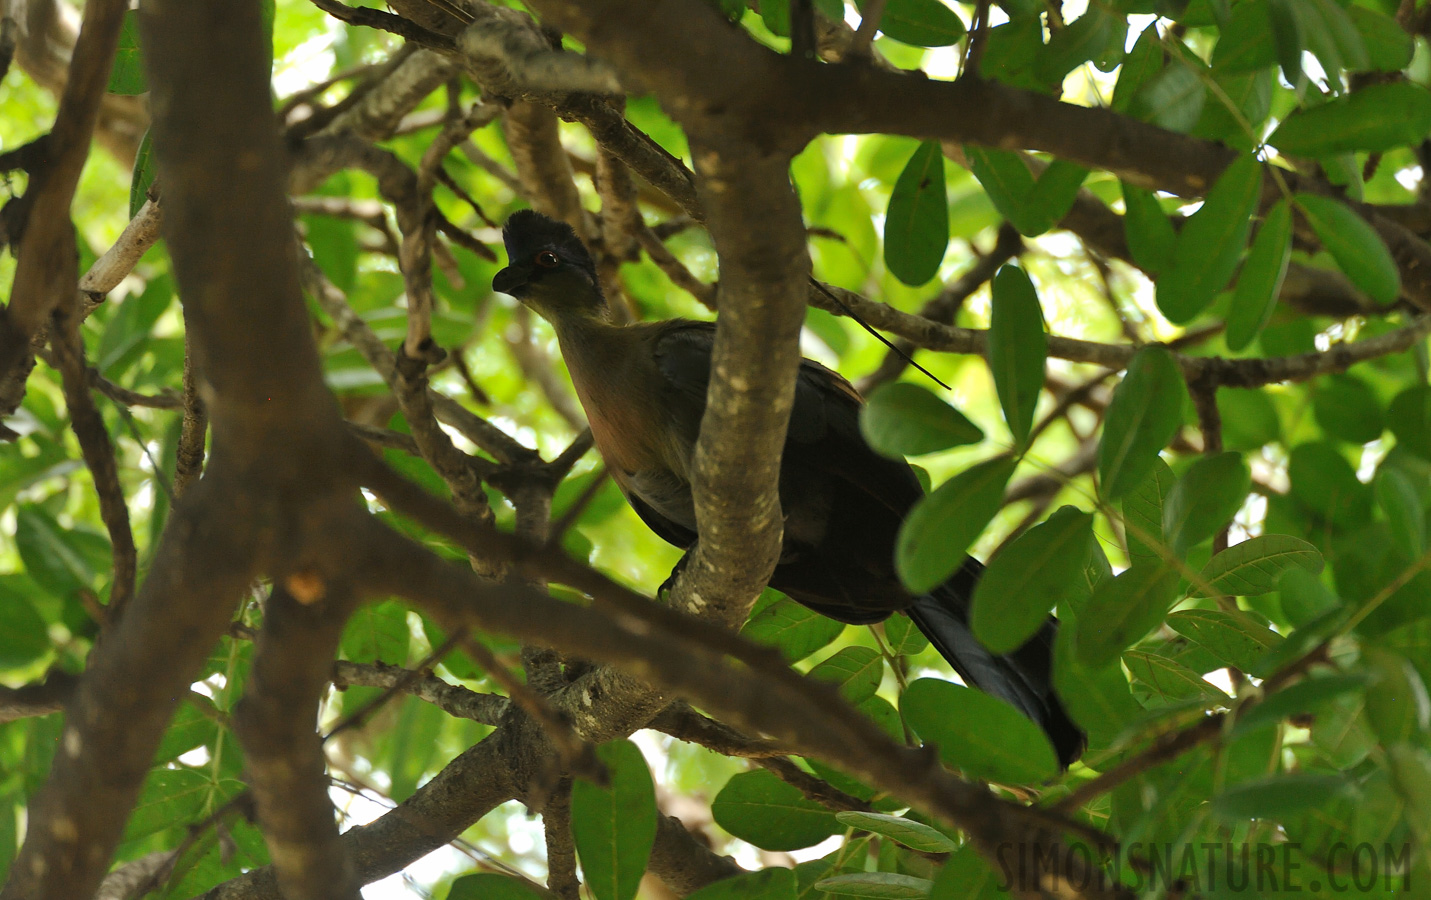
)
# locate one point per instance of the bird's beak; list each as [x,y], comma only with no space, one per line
[511,280]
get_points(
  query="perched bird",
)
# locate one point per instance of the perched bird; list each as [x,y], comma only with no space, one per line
[643,387]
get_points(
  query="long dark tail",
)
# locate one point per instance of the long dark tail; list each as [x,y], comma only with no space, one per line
[1024,678]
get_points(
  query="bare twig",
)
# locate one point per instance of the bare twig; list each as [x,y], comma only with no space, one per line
[452,699]
[98,451]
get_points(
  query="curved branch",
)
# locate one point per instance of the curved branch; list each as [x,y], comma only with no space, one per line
[1252,372]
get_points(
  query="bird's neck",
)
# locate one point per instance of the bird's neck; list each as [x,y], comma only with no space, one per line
[591,346]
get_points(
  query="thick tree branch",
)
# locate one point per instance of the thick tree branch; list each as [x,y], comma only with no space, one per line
[46,269]
[286,770]
[683,862]
[561,848]
[756,224]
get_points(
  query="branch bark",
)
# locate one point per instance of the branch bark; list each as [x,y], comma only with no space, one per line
[276,726]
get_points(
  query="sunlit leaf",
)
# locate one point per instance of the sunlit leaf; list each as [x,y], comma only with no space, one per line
[1260,283]
[916,226]
[1143,417]
[941,527]
[1354,244]
[906,419]
[1013,598]
[1018,348]
[614,826]
[980,734]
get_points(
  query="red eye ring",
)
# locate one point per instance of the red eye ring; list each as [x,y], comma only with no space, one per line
[547,259]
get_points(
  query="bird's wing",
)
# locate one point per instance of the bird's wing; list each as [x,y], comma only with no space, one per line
[824,423]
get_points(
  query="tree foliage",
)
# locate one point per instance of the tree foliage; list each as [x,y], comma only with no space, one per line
[1171,257]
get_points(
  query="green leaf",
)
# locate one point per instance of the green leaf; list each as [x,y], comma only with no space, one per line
[1411,772]
[916,225]
[1242,103]
[904,638]
[1031,206]
[334,240]
[906,419]
[1097,698]
[1143,512]
[1172,99]
[1354,244]
[795,630]
[891,885]
[912,834]
[1084,39]
[1347,408]
[377,632]
[1304,599]
[1252,568]
[1169,679]
[1122,610]
[1233,637]
[1013,597]
[1018,348]
[1249,418]
[773,883]
[53,555]
[1277,796]
[1008,182]
[1242,45]
[1324,482]
[1148,231]
[129,329]
[491,886]
[1388,46]
[142,177]
[776,16]
[980,734]
[1399,501]
[1374,119]
[760,808]
[170,797]
[1143,62]
[968,876]
[1012,53]
[1287,39]
[1410,419]
[126,76]
[1260,284]
[1397,707]
[24,636]
[855,670]
[614,827]
[1303,697]
[1211,242]
[1332,37]
[921,23]
[1145,413]
[940,528]
[1205,499]
[1055,190]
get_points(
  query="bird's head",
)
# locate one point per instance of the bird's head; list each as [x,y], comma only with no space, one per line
[548,269]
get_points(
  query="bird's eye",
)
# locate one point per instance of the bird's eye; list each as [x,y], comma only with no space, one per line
[548,260]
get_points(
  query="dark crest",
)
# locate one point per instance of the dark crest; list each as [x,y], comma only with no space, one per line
[528,231]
